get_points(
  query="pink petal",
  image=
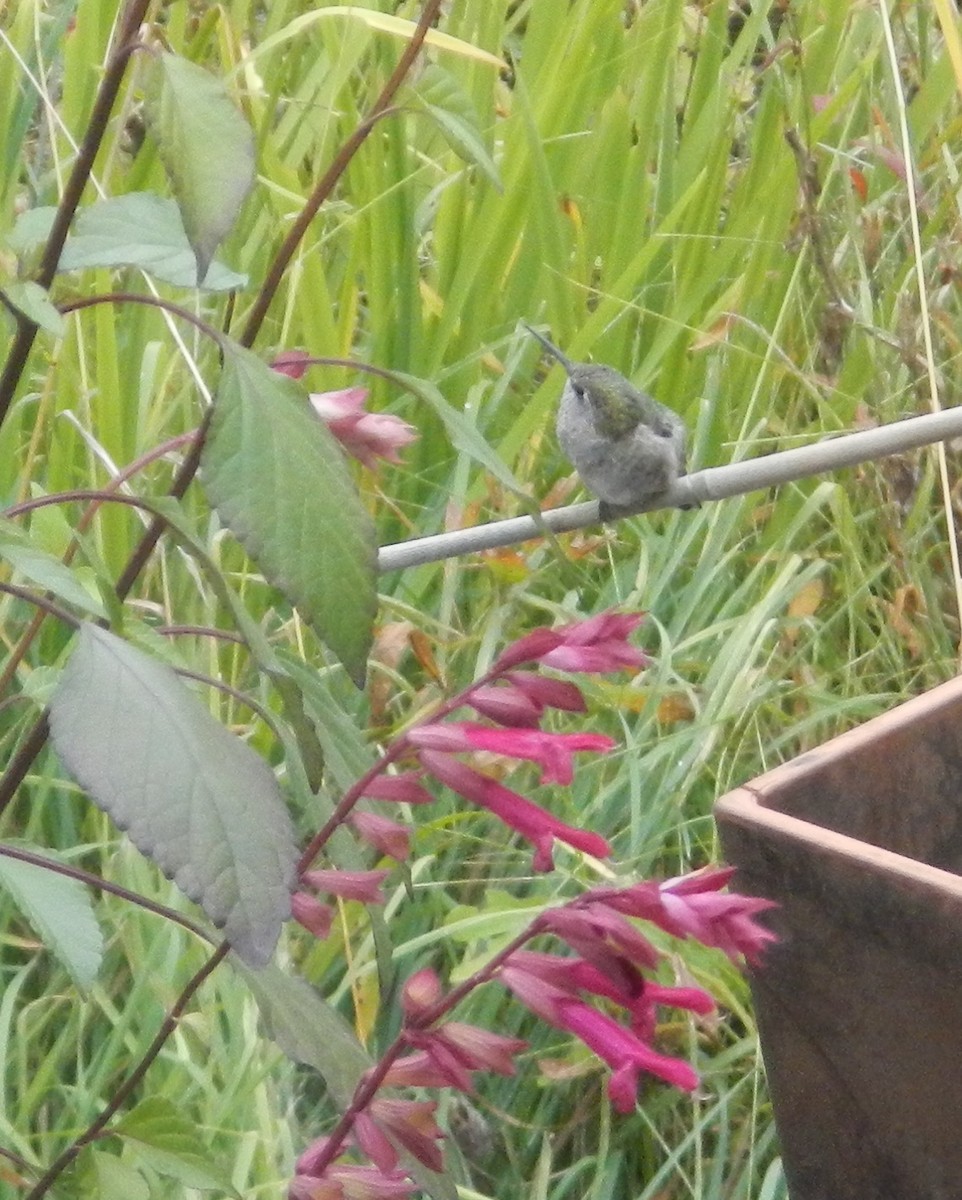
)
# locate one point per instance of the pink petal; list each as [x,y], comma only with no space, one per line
[292,363]
[349,885]
[384,835]
[421,992]
[312,914]
[528,819]
[506,705]
[547,692]
[404,788]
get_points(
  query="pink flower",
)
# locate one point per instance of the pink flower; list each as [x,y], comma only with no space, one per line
[506,705]
[693,906]
[367,436]
[624,1052]
[349,885]
[553,751]
[547,692]
[292,363]
[384,835]
[410,1122]
[404,788]
[312,914]
[348,1182]
[471,1047]
[421,992]
[621,1048]
[531,821]
[418,1070]
[596,645]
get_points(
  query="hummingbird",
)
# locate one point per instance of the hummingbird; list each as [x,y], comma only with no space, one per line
[626,447]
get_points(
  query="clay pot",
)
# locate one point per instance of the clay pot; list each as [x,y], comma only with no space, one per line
[860,1004]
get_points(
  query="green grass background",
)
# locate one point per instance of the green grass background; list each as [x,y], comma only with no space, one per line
[652,214]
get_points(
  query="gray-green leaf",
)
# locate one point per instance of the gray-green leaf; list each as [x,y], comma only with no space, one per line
[167,1142]
[60,910]
[281,484]
[207,149]
[33,302]
[141,230]
[194,798]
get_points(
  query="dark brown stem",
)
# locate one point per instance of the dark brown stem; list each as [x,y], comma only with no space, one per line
[119,1098]
[127,28]
[334,172]
[90,880]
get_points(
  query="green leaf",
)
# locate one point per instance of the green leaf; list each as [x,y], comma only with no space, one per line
[60,910]
[45,570]
[141,230]
[159,1137]
[281,484]
[193,797]
[33,302]
[31,228]
[109,1178]
[442,97]
[309,1030]
[207,149]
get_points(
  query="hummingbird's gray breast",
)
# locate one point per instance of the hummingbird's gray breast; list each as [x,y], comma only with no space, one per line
[628,469]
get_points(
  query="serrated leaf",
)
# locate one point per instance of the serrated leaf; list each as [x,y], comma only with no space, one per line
[60,910]
[158,1136]
[141,230]
[207,149]
[33,302]
[442,97]
[194,798]
[45,570]
[281,484]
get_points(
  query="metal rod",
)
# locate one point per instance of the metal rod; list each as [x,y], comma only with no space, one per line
[713,483]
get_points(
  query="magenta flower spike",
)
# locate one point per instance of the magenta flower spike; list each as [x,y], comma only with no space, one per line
[532,822]
[365,435]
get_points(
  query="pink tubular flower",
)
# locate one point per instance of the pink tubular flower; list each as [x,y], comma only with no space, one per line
[421,992]
[410,1122]
[348,1182]
[471,1047]
[693,906]
[404,788]
[365,435]
[312,914]
[621,1048]
[553,751]
[349,885]
[624,1052]
[531,821]
[596,645]
[384,835]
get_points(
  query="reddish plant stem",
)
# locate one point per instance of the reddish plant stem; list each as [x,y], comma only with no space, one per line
[334,172]
[372,1080]
[103,885]
[107,93]
[353,794]
[94,1130]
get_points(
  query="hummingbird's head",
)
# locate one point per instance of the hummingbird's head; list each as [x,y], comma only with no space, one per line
[616,404]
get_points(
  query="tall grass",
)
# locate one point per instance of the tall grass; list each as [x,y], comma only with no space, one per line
[652,213]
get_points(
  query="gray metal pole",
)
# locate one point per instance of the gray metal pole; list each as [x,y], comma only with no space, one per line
[713,483]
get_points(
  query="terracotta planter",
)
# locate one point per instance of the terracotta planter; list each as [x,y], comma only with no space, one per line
[860,1005]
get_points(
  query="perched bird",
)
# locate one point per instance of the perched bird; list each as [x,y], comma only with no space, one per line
[626,447]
